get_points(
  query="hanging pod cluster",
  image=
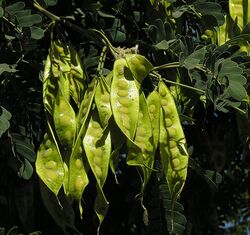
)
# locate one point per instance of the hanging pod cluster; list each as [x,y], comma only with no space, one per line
[88,124]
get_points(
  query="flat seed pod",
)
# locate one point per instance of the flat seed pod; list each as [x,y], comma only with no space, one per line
[97,145]
[61,55]
[66,60]
[77,176]
[117,140]
[101,206]
[57,69]
[125,108]
[102,101]
[139,66]
[86,104]
[66,179]
[174,157]
[49,164]
[50,86]
[64,120]
[144,140]
[109,78]
[154,106]
[77,78]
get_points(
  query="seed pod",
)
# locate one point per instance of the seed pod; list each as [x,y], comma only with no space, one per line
[117,140]
[78,178]
[143,136]
[139,66]
[77,78]
[174,157]
[60,58]
[140,152]
[154,106]
[50,86]
[57,70]
[109,78]
[64,120]
[66,179]
[123,80]
[102,101]
[86,104]
[49,164]
[97,145]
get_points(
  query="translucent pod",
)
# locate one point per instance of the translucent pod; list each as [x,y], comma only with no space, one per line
[172,142]
[77,175]
[102,101]
[86,104]
[118,140]
[64,121]
[56,74]
[141,150]
[61,58]
[123,82]
[97,145]
[50,86]
[154,106]
[49,164]
[60,49]
[109,78]
[77,77]
[139,66]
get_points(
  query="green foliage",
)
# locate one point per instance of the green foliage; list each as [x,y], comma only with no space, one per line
[176,220]
[7,68]
[14,231]
[4,120]
[23,20]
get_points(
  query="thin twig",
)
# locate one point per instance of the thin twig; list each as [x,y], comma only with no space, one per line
[184,85]
[12,24]
[167,66]
[238,109]
[89,34]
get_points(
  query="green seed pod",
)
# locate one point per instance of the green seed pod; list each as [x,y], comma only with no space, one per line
[102,150]
[77,77]
[102,101]
[108,78]
[49,164]
[86,104]
[50,86]
[123,80]
[118,140]
[60,49]
[154,104]
[61,56]
[56,74]
[78,178]
[97,149]
[174,162]
[64,121]
[141,153]
[139,66]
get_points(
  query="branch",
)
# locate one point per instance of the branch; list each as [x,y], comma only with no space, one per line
[89,34]
[185,86]
[167,66]
[154,74]
[17,29]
